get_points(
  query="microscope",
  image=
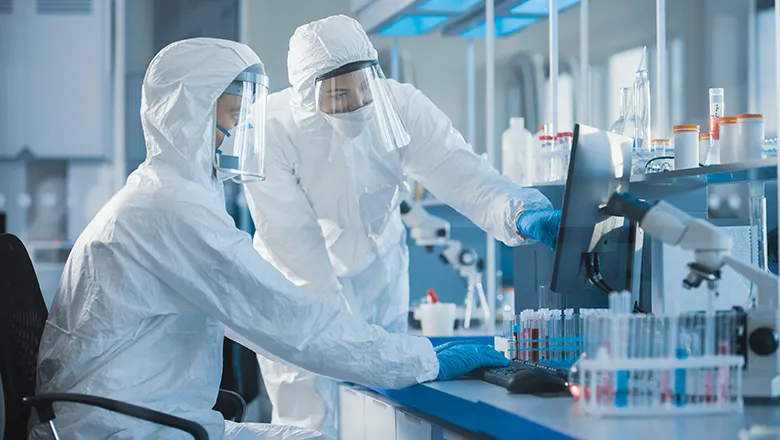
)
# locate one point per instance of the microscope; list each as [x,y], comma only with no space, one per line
[712,246]
[431,232]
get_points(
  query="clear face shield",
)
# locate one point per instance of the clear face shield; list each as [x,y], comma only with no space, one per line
[240,124]
[356,100]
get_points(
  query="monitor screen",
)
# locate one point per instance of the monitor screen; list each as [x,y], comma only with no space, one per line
[600,165]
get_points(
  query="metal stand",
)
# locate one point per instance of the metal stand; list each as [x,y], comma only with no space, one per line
[475,285]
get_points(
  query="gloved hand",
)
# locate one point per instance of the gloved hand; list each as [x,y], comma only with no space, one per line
[446,345]
[458,360]
[542,225]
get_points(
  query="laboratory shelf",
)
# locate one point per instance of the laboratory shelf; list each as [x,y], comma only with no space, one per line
[752,171]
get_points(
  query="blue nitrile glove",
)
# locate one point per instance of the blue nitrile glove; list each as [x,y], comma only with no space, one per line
[542,225]
[446,345]
[456,361]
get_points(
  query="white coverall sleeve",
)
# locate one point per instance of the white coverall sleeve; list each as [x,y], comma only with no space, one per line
[286,230]
[217,270]
[443,162]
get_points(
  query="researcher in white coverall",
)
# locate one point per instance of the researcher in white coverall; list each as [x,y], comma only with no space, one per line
[340,143]
[155,278]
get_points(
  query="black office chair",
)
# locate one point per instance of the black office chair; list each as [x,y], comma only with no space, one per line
[22,317]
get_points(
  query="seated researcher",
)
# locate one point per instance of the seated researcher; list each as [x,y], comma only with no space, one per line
[154,280]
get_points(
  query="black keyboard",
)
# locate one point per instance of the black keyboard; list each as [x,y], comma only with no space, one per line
[502,375]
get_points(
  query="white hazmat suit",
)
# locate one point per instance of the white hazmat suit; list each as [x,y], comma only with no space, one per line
[335,226]
[155,278]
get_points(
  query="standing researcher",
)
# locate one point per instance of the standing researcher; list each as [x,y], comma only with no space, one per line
[341,142]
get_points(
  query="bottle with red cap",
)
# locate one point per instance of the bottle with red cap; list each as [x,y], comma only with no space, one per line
[543,138]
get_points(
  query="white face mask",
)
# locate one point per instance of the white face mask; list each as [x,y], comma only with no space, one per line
[227,158]
[351,124]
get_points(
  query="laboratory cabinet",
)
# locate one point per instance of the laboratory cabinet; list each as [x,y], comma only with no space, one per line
[366,415]
[55,78]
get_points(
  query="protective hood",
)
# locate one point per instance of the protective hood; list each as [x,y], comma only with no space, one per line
[178,98]
[318,48]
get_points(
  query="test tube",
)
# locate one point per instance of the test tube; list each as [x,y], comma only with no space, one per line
[620,335]
[522,331]
[656,352]
[607,348]
[526,335]
[632,345]
[717,105]
[727,328]
[535,324]
[543,320]
[549,337]
[709,351]
[681,352]
[557,336]
[576,346]
[641,353]
[507,320]
[663,350]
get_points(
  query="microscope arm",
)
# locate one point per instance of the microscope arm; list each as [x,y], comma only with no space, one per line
[429,231]
[765,282]
[425,229]
[711,245]
[670,225]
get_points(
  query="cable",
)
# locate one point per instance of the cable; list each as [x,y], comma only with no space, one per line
[593,270]
[647,165]
[593,275]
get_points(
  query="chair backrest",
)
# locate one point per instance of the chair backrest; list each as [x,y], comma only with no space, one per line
[22,318]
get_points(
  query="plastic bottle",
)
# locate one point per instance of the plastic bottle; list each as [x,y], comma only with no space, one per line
[517,150]
[540,160]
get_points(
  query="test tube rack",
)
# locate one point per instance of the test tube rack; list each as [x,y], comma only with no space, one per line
[545,336]
[635,364]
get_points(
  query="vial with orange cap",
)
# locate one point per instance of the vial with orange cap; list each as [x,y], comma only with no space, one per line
[729,144]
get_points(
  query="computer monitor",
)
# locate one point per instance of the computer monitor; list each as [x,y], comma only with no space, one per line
[594,247]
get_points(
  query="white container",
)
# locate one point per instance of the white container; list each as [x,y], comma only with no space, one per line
[686,146]
[517,153]
[729,140]
[751,136]
[437,319]
[705,143]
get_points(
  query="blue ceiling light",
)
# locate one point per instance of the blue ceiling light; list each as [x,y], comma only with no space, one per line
[413,25]
[448,6]
[541,7]
[504,27]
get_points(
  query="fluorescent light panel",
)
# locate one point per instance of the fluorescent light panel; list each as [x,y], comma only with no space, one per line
[504,27]
[448,6]
[413,25]
[541,7]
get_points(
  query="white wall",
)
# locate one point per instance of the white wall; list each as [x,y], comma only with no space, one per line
[271,23]
[439,63]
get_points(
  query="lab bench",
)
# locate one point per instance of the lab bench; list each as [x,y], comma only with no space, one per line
[472,409]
